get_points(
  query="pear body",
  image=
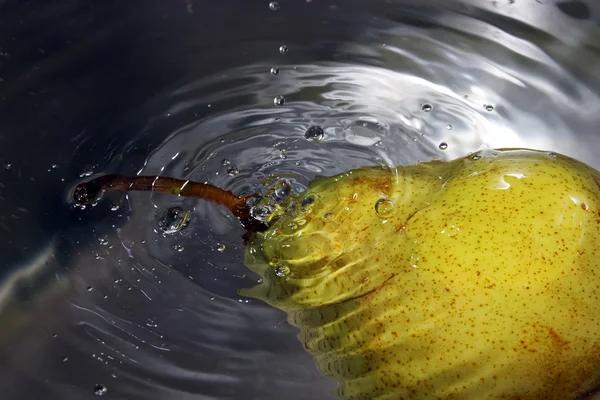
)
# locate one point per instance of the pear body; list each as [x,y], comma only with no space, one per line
[477,278]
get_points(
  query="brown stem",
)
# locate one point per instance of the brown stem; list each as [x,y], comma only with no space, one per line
[89,192]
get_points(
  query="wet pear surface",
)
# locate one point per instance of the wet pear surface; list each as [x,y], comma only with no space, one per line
[470,279]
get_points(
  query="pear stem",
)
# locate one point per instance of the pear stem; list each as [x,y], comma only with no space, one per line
[89,192]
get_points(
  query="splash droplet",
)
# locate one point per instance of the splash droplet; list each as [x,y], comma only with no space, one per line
[172,220]
[283,49]
[178,248]
[275,71]
[225,161]
[552,154]
[314,134]
[385,208]
[475,157]
[89,288]
[114,207]
[426,107]
[100,390]
[279,100]
[221,247]
[274,6]
[449,127]
[86,172]
[443,146]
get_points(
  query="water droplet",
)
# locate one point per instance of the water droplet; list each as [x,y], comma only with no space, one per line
[220,247]
[86,172]
[261,213]
[552,154]
[7,165]
[283,49]
[89,288]
[114,207]
[225,161]
[279,100]
[475,157]
[385,208]
[282,271]
[314,134]
[275,71]
[283,155]
[100,390]
[426,107]
[212,298]
[327,215]
[489,107]
[172,220]
[282,190]
[232,171]
[443,146]
[179,248]
[65,359]
[54,166]
[449,127]
[274,6]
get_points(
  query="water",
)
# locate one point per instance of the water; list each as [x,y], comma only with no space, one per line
[175,89]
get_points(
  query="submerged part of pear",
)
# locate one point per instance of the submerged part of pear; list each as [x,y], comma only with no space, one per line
[471,279]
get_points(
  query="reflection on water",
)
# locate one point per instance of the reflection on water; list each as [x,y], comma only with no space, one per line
[137,297]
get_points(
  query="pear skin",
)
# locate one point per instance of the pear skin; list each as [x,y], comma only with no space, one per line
[476,278]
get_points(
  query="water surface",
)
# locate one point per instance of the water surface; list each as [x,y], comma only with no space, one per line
[101,301]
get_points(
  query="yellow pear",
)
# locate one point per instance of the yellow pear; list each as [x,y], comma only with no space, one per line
[471,279]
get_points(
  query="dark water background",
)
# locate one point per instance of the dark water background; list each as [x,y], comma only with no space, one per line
[185,88]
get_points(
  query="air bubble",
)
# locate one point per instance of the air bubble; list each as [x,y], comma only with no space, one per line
[232,171]
[489,107]
[426,107]
[443,146]
[172,220]
[385,208]
[282,271]
[261,213]
[314,134]
[282,190]
[279,100]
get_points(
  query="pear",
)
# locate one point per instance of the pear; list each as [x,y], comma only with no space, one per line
[476,278]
